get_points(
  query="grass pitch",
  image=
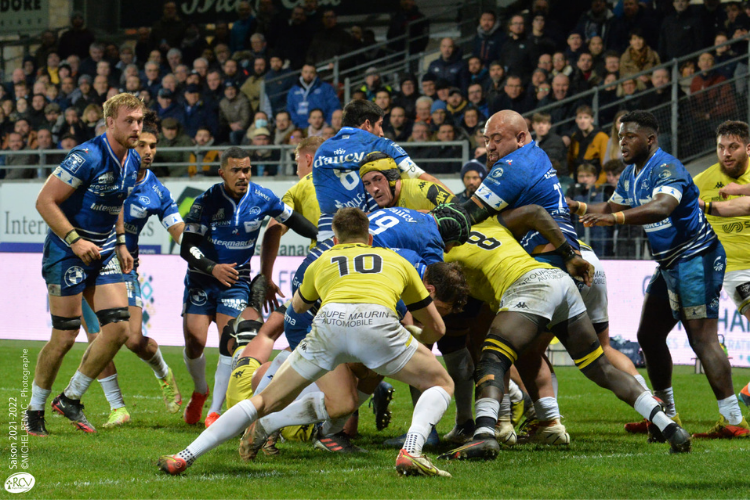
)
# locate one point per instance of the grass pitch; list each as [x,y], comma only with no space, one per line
[601,462]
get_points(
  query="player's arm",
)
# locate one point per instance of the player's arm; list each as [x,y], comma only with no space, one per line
[521,220]
[269,249]
[478,210]
[431,178]
[175,231]
[433,327]
[655,210]
[126,260]
[294,220]
[53,193]
[736,207]
[407,166]
[734,189]
[306,295]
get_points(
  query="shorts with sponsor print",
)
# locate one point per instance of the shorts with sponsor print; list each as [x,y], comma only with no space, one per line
[66,274]
[206,296]
[692,286]
[134,289]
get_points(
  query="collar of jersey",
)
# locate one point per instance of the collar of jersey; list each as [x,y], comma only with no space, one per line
[363,245]
[645,168]
[113,155]
[145,178]
[235,204]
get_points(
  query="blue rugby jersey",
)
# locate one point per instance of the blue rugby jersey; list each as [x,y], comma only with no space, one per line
[683,234]
[399,227]
[149,197]
[101,186]
[230,227]
[336,172]
[526,177]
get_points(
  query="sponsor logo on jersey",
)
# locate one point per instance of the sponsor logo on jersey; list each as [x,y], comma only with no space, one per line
[106,178]
[73,162]
[340,151]
[138,212]
[74,275]
[262,194]
[719,185]
[233,245]
[145,200]
[197,296]
[718,264]
[251,226]
[665,174]
[219,215]
[496,172]
[236,304]
[338,160]
[195,212]
[626,185]
[254,211]
[112,210]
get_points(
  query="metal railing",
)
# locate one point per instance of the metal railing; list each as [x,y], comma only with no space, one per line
[677,129]
[41,166]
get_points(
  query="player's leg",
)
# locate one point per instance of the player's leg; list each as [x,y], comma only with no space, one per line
[195,329]
[737,286]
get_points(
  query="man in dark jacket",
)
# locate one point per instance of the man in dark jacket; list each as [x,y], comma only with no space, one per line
[331,41]
[513,97]
[310,93]
[680,33]
[595,21]
[489,38]
[450,65]
[289,35]
[77,39]
[168,31]
[196,114]
[516,52]
[551,143]
[278,82]
[634,16]
[418,32]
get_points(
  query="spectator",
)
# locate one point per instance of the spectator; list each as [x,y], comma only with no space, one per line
[551,143]
[167,106]
[494,86]
[88,65]
[264,161]
[712,19]
[613,145]
[469,123]
[513,97]
[251,87]
[408,18]
[489,38]
[49,44]
[477,72]
[596,49]
[541,43]
[221,35]
[22,110]
[77,39]
[383,100]
[278,81]
[516,53]
[328,132]
[373,84]
[234,112]
[284,127]
[723,57]
[477,100]
[143,45]
[538,78]
[639,57]
[680,32]
[407,96]
[627,91]
[456,105]
[103,68]
[200,66]
[336,118]
[612,63]
[127,57]
[35,114]
[472,174]
[562,112]
[575,48]
[168,31]
[90,117]
[84,94]
[29,70]
[613,169]
[310,93]
[44,141]
[290,35]
[174,59]
[438,115]
[657,101]
[196,114]
[73,126]
[588,144]
[442,89]
[51,68]
[258,46]
[54,120]
[584,77]
[399,126]
[152,82]
[16,143]
[192,45]
[68,142]
[424,110]
[172,136]
[585,190]
[428,85]
[712,101]
[544,62]
[203,159]
[260,120]
[232,72]
[313,14]
[450,65]
[332,40]
[595,21]
[316,123]
[560,65]
[22,126]
[634,16]
[222,53]
[213,92]
[446,133]
[607,98]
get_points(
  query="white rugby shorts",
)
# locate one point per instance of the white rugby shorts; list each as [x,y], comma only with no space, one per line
[737,286]
[595,296]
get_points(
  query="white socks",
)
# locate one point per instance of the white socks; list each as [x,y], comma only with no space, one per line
[461,369]
[304,410]
[554,383]
[197,370]
[221,382]
[112,392]
[158,364]
[646,404]
[546,409]
[515,393]
[272,369]
[489,408]
[730,409]
[642,381]
[78,385]
[336,425]
[39,397]
[231,424]
[428,412]
[667,397]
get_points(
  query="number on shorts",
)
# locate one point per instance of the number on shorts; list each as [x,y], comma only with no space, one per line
[382,221]
[349,179]
[360,264]
[483,242]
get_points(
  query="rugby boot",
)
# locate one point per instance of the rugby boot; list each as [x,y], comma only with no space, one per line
[505,433]
[725,430]
[337,443]
[170,392]
[211,418]
[655,435]
[194,409]
[461,433]
[551,432]
[252,441]
[398,442]
[172,464]
[380,401]
[482,447]
[637,427]
[72,409]
[679,439]
[410,465]
[34,423]
[117,417]
[744,395]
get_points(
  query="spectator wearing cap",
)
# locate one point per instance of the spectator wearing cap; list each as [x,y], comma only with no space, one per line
[172,136]
[264,161]
[634,15]
[399,126]
[428,85]
[234,112]
[477,100]
[442,89]
[196,114]
[516,53]
[309,93]
[472,174]
[407,95]
[408,18]
[513,97]
[167,106]
[478,73]
[596,20]
[639,56]
[489,38]
[278,81]
[330,41]
[200,160]
[438,115]
[169,30]
[450,65]
[455,105]
[373,84]
[76,39]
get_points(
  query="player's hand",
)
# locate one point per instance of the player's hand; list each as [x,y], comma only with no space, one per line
[731,189]
[226,274]
[86,251]
[580,269]
[590,220]
[126,260]
[272,290]
[572,204]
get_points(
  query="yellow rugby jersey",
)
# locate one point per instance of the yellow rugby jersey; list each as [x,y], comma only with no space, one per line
[301,197]
[422,195]
[733,232]
[492,261]
[355,273]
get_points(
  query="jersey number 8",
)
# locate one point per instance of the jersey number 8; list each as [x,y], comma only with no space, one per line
[483,242]
[364,264]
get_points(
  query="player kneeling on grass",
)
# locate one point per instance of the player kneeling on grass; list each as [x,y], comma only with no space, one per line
[359,286]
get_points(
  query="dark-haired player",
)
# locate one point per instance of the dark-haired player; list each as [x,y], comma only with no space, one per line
[657,192]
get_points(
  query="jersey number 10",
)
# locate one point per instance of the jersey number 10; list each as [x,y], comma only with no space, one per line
[364,264]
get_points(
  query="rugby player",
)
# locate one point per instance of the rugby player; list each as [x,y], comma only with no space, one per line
[730,179]
[360,284]
[218,243]
[657,192]
[85,254]
[530,298]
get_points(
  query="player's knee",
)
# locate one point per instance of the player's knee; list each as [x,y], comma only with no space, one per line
[590,358]
[498,355]
[113,315]
[66,324]
[345,403]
